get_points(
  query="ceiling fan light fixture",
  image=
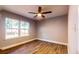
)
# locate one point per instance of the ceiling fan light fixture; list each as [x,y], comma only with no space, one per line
[39,14]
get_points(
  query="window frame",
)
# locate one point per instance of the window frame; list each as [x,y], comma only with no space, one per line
[24,29]
[19,28]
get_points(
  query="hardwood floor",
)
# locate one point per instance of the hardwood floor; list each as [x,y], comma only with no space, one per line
[38,47]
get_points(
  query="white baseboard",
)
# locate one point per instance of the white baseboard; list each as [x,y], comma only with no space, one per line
[13,45]
[53,41]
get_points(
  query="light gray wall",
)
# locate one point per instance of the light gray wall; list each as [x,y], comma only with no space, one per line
[4,42]
[54,29]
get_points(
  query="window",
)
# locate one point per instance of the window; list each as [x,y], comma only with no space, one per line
[15,28]
[11,28]
[24,28]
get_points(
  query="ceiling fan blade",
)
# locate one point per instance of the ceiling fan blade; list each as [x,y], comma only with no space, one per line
[39,9]
[32,12]
[43,16]
[47,12]
[35,16]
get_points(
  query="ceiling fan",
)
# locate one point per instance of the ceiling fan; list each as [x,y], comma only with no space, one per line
[40,13]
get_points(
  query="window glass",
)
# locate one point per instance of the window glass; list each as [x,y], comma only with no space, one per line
[11,26]
[24,28]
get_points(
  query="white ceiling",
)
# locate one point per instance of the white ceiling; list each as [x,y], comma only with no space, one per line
[57,10]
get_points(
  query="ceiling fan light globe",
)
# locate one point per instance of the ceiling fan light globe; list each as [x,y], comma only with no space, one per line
[39,14]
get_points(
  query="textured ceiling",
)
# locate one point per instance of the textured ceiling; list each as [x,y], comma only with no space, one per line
[57,10]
